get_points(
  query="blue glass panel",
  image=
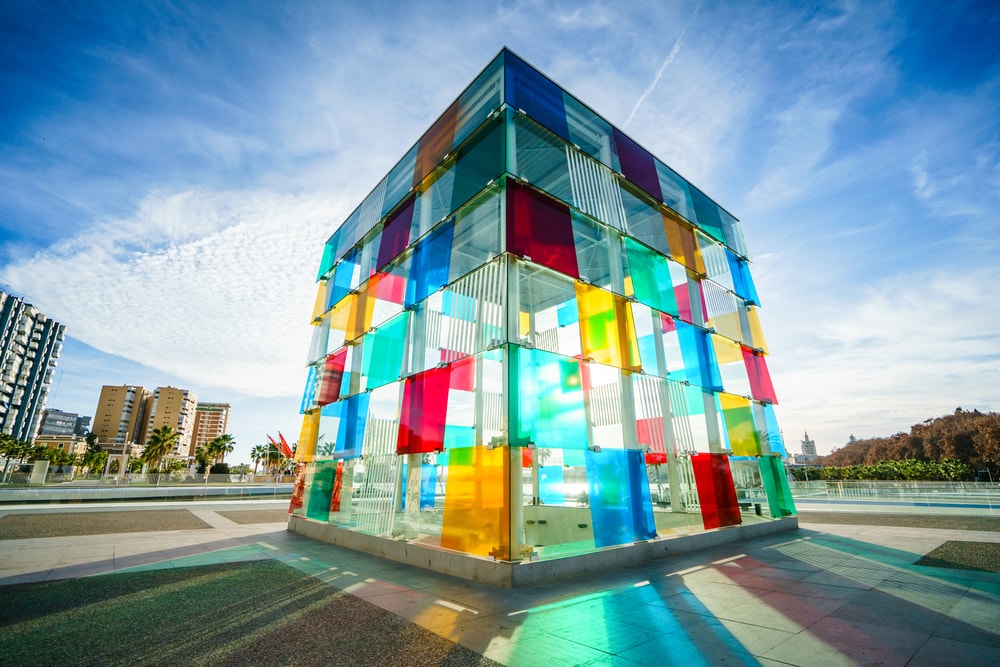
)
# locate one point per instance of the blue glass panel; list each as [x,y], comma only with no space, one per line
[550,485]
[459,306]
[431,260]
[351,433]
[340,283]
[530,91]
[309,395]
[774,439]
[621,508]
[742,280]
[567,313]
[700,365]
[428,482]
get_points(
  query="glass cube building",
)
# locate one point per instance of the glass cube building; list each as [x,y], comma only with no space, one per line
[535,339]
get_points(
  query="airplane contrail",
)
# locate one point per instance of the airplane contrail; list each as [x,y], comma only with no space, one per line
[663,68]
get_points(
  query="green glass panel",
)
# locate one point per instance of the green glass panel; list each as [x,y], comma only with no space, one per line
[651,280]
[383,351]
[479,164]
[779,495]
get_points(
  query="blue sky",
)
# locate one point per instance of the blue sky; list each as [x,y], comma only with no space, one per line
[170,171]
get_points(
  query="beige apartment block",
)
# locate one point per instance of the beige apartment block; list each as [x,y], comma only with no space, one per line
[210,421]
[71,444]
[176,408]
[120,417]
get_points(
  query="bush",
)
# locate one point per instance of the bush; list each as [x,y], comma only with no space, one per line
[219,469]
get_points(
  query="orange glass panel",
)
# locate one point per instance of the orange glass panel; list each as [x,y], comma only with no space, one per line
[436,143]
[682,243]
[607,330]
[476,503]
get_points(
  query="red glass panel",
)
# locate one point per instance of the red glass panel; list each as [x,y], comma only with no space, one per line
[760,377]
[333,375]
[463,374]
[540,228]
[396,234]
[716,491]
[424,411]
[338,485]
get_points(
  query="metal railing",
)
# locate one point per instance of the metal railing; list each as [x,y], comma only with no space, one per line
[898,496]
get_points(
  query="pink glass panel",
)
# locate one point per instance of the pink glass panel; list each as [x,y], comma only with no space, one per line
[424,411]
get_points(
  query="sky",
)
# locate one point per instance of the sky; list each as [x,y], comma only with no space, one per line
[170,171]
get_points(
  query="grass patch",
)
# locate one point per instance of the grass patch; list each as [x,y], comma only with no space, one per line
[67,524]
[252,613]
[957,555]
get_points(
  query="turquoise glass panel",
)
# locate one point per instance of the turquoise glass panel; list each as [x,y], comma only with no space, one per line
[530,91]
[351,433]
[321,490]
[479,164]
[457,437]
[326,263]
[621,508]
[382,358]
[428,482]
[707,211]
[651,280]
[429,267]
[548,407]
[550,485]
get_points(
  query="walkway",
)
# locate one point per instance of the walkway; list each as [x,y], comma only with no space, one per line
[827,594]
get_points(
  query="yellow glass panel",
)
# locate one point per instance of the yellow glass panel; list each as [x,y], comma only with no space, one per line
[726,351]
[320,306]
[738,416]
[477,503]
[340,316]
[362,309]
[756,331]
[607,330]
[525,324]
[727,324]
[306,448]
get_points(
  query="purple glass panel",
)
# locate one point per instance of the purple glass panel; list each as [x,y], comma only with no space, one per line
[638,165]
[396,234]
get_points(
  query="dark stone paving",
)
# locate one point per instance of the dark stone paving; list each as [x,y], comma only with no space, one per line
[254,516]
[252,613]
[32,525]
[961,555]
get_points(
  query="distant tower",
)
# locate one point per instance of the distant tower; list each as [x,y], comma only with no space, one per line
[169,406]
[808,448]
[210,421]
[120,416]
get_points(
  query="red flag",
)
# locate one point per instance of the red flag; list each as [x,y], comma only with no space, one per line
[285,450]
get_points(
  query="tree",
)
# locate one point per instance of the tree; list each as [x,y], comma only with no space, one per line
[204,458]
[159,443]
[258,454]
[221,446]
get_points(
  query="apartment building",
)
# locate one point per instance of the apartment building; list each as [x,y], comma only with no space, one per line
[210,421]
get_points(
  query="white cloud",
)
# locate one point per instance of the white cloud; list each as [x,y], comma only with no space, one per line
[213,288]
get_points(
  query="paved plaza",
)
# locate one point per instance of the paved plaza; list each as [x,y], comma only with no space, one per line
[826,594]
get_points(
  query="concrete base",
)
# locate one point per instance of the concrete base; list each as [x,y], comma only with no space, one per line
[526,573]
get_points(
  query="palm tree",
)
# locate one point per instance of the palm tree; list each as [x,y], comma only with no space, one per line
[159,443]
[221,446]
[258,454]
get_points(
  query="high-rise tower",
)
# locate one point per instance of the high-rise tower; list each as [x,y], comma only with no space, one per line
[533,338]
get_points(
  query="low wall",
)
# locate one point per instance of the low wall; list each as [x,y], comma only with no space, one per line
[526,573]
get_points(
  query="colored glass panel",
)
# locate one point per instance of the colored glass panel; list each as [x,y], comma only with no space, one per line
[540,158]
[638,165]
[756,337]
[319,490]
[779,495]
[400,180]
[652,283]
[771,431]
[351,431]
[683,246]
[338,487]
[621,509]
[594,245]
[327,261]
[479,164]
[760,379]
[424,412]
[644,222]
[676,191]
[550,485]
[476,518]
[540,228]
[436,143]
[740,431]
[429,268]
[428,484]
[309,394]
[547,408]
[716,491]
[307,436]
[530,91]
[700,367]
[333,375]
[395,234]
[707,212]
[606,328]
[742,280]
[382,358]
